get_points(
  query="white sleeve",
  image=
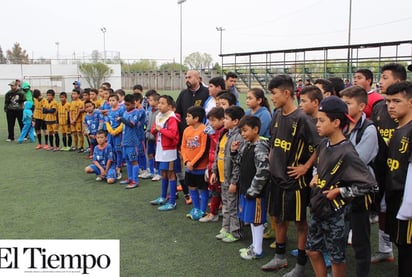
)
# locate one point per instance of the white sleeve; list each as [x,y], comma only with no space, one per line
[405,211]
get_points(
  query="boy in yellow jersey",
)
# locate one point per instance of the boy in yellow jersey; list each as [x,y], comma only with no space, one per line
[50,112]
[63,110]
[38,117]
[76,107]
[94,97]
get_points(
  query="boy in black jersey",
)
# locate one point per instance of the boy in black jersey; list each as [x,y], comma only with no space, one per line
[292,145]
[390,74]
[341,174]
[399,102]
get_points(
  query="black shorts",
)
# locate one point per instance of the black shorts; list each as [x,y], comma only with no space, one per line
[288,205]
[197,181]
[399,230]
[39,124]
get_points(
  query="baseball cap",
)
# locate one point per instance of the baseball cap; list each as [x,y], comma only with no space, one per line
[13,83]
[334,104]
[410,67]
[76,83]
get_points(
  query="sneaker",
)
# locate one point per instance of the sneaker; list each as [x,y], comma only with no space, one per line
[269,234]
[55,149]
[294,252]
[9,140]
[158,201]
[98,178]
[297,271]
[241,250]
[382,257]
[125,181]
[250,254]
[38,147]
[167,207]
[145,175]
[222,234]
[179,188]
[275,264]
[273,245]
[118,175]
[50,148]
[73,149]
[230,238]
[210,217]
[132,185]
[188,200]
[190,214]
[46,147]
[80,150]
[373,219]
[87,150]
[156,177]
[195,214]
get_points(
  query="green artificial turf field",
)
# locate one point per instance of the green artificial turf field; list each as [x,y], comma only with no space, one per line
[47,195]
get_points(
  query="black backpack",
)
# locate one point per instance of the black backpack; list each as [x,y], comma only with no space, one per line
[379,163]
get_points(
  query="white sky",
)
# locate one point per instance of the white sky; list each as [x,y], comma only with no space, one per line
[150,29]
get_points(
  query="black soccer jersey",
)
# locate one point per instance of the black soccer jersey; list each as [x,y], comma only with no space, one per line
[399,153]
[340,166]
[384,122]
[293,140]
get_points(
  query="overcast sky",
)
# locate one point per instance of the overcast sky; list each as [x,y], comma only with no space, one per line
[150,29]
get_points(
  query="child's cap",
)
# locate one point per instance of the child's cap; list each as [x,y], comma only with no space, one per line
[76,83]
[334,104]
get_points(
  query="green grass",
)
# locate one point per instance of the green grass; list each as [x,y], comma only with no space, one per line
[46,195]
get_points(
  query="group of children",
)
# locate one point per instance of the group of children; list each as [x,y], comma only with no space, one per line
[319,155]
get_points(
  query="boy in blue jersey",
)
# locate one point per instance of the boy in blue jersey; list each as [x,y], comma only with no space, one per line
[130,138]
[102,165]
[141,154]
[114,128]
[93,121]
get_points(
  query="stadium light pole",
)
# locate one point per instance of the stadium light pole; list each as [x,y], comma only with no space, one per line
[57,49]
[180,2]
[103,29]
[221,29]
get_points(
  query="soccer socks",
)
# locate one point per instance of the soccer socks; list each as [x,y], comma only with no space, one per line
[57,139]
[194,194]
[129,168]
[46,139]
[151,166]
[257,237]
[141,156]
[64,140]
[119,160]
[173,187]
[135,169]
[302,257]
[204,199]
[165,183]
[51,140]
[39,138]
[69,140]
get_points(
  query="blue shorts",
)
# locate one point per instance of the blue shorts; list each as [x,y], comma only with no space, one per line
[178,164]
[111,174]
[252,210]
[151,148]
[115,142]
[141,148]
[166,166]
[129,153]
[328,235]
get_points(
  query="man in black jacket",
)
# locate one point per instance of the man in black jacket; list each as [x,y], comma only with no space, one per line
[13,106]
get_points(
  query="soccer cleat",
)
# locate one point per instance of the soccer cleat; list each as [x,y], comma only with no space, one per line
[45,147]
[145,175]
[209,218]
[179,188]
[132,185]
[275,264]
[73,149]
[98,178]
[269,234]
[87,150]
[9,140]
[55,149]
[156,177]
[38,147]
[195,214]
[241,250]
[118,175]
[273,245]
[188,200]
[158,201]
[250,254]
[222,234]
[382,257]
[230,238]
[297,271]
[167,207]
[80,150]
[125,181]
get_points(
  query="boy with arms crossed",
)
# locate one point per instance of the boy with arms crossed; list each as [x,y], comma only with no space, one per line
[293,141]
[63,111]
[341,174]
[76,124]
[50,117]
[399,102]
[38,117]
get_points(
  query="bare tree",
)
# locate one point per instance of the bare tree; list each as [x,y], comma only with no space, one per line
[95,73]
